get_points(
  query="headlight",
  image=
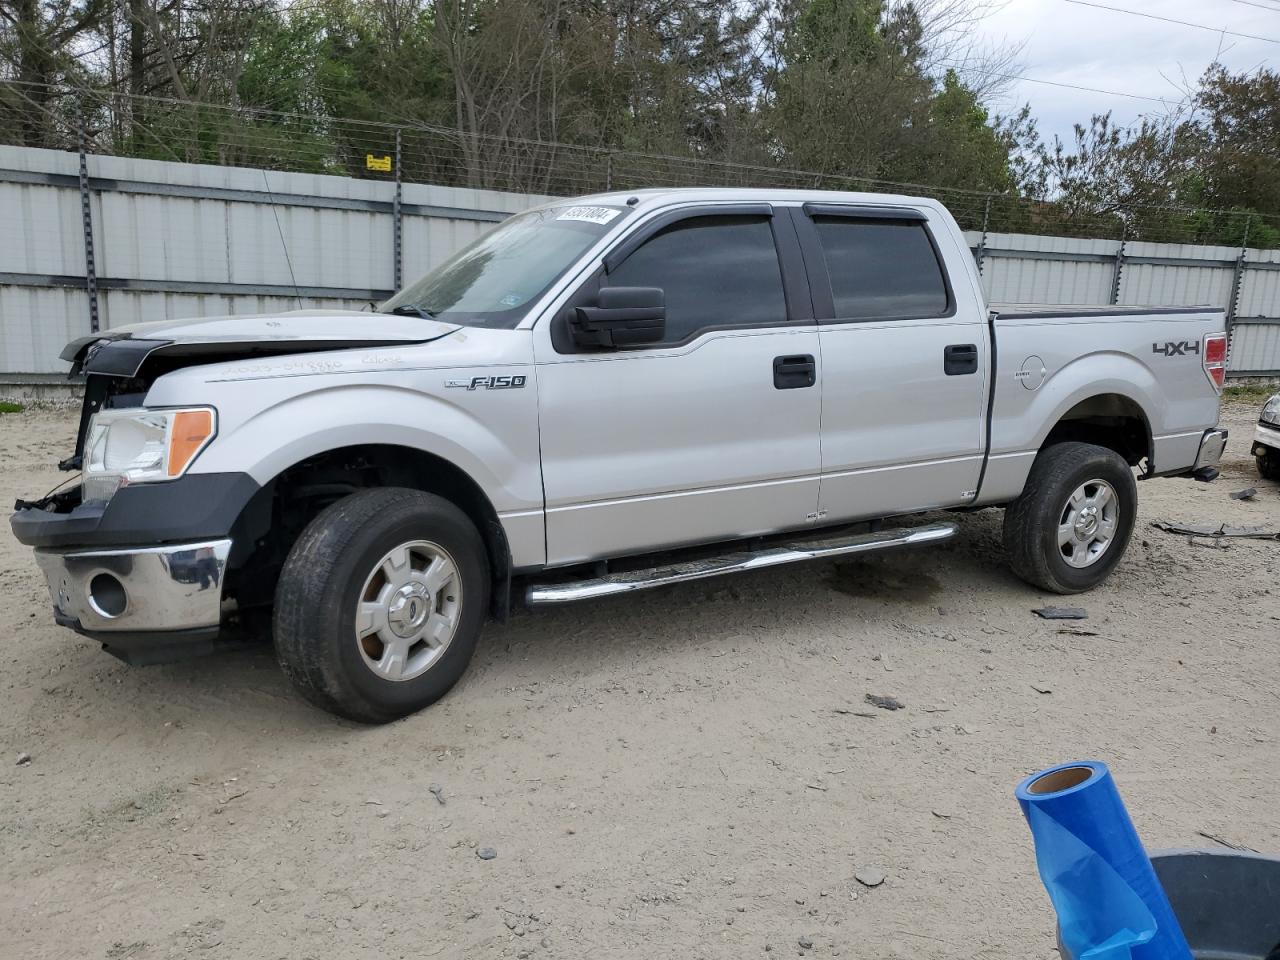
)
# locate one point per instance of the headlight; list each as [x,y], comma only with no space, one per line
[1271,411]
[142,446]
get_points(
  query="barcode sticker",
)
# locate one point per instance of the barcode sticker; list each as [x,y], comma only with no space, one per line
[589,214]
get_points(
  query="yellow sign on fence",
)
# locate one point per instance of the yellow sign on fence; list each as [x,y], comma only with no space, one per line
[377,163]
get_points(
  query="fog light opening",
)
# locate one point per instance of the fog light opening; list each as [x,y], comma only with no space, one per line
[107,596]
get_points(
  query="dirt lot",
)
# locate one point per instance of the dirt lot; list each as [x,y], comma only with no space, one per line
[688,773]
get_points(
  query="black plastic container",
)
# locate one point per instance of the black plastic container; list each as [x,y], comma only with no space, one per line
[1226,901]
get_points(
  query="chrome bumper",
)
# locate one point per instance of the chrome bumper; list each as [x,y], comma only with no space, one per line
[1212,445]
[170,588]
[1267,437]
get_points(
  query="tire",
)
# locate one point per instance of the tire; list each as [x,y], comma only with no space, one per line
[370,623]
[1033,524]
[1269,465]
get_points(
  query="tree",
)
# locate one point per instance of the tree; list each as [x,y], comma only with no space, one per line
[855,98]
[42,47]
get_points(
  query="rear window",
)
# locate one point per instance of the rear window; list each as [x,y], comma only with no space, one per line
[882,269]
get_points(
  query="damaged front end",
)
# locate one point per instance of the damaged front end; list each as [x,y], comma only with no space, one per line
[137,555]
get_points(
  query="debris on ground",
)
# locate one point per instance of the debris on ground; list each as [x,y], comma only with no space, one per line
[1216,530]
[885,703]
[846,712]
[1248,493]
[1062,613]
[1226,843]
[24,759]
[1041,688]
[1073,632]
[1211,543]
[486,853]
[806,943]
[869,877]
[437,791]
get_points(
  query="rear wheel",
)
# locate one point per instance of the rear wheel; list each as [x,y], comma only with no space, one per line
[1071,525]
[380,603]
[1269,465]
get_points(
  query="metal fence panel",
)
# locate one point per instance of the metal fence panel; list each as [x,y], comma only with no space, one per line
[179,239]
[120,307]
[1207,276]
[1020,268]
[36,323]
[41,230]
[1255,348]
[1260,285]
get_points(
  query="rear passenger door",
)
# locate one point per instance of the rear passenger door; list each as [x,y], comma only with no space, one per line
[905,361]
[711,434]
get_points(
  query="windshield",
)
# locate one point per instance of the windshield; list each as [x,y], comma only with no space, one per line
[492,282]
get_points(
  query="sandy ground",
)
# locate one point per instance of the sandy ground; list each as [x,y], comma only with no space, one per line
[682,774]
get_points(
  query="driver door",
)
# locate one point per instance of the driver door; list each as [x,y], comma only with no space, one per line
[711,433]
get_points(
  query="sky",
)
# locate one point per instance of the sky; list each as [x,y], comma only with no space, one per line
[1072,44]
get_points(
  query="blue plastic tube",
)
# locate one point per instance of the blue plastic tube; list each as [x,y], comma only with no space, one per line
[1109,903]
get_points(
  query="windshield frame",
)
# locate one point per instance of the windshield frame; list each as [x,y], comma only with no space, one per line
[515,317]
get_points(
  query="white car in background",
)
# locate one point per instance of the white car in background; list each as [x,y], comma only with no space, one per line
[1266,440]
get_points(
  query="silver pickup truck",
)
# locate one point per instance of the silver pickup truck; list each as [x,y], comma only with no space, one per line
[602,395]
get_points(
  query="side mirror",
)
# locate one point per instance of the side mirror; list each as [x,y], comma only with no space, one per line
[622,317]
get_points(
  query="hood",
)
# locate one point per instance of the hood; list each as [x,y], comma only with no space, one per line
[121,351]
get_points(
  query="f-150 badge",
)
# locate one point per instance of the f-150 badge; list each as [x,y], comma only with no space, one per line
[489,383]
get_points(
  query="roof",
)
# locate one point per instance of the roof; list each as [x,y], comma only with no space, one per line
[657,196]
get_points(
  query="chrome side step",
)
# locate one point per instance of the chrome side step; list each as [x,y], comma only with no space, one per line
[540,595]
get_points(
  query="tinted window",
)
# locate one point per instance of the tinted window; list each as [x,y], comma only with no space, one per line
[716,271]
[881,268]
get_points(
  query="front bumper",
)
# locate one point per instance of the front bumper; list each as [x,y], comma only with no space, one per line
[1266,439]
[194,508]
[145,597]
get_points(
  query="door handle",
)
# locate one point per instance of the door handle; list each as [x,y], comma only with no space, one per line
[959,359]
[795,371]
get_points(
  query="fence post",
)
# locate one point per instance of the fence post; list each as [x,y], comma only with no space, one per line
[397,224]
[86,218]
[981,254]
[1237,282]
[608,172]
[1118,275]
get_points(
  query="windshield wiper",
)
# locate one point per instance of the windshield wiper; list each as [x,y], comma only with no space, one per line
[410,310]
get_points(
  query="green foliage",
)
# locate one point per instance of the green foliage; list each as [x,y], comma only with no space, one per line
[1206,177]
[8,406]
[1249,392]
[573,95]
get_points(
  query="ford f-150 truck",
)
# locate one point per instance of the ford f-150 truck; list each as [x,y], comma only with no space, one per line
[602,395]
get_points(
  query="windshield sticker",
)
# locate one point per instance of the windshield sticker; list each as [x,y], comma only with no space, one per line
[589,214]
[511,300]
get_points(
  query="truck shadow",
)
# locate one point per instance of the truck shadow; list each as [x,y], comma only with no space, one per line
[242,685]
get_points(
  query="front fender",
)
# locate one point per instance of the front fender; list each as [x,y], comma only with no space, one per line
[266,426]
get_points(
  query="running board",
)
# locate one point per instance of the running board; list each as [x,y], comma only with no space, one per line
[540,595]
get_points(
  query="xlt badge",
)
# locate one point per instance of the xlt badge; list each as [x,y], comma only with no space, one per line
[489,383]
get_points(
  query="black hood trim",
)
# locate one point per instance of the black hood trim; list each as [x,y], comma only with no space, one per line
[124,357]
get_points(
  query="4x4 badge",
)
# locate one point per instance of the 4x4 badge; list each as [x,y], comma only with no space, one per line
[1179,349]
[489,383]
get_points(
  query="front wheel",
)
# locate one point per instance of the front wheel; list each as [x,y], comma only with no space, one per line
[380,603]
[1073,521]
